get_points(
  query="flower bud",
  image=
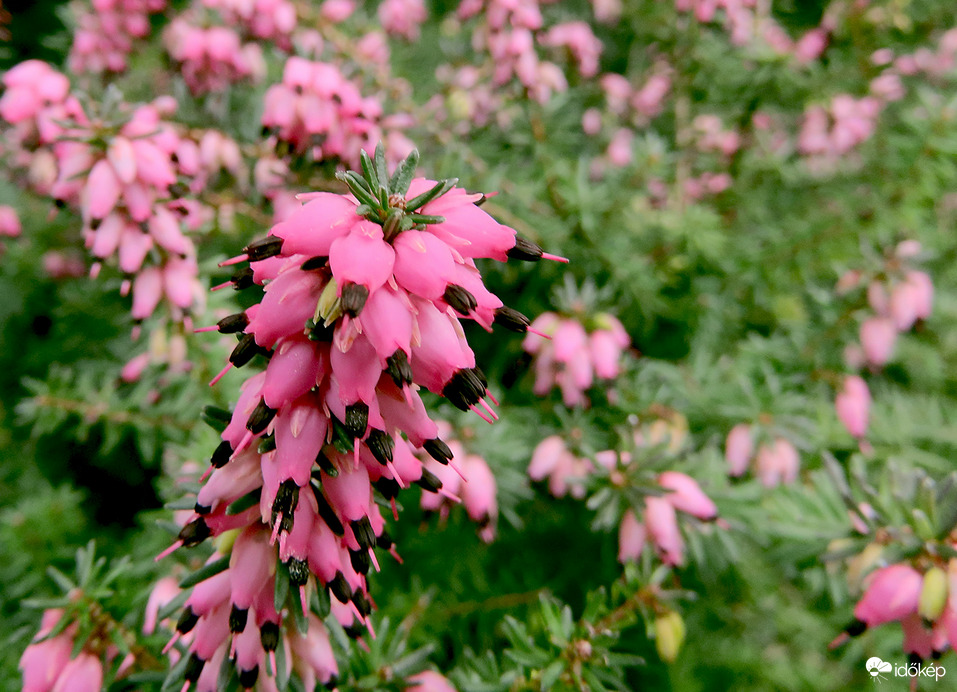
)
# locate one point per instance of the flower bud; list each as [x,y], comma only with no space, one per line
[669,635]
[933,594]
[853,405]
[738,449]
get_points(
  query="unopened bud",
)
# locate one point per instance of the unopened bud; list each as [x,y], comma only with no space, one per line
[933,594]
[669,635]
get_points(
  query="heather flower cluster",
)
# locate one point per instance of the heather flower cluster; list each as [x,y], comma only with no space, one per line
[317,110]
[107,32]
[362,307]
[54,662]
[899,297]
[117,169]
[773,457]
[212,58]
[576,354]
[568,473]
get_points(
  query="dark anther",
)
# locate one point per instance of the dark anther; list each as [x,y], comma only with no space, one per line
[357,419]
[194,668]
[267,444]
[194,533]
[481,201]
[362,603]
[397,365]
[387,487]
[362,530]
[525,250]
[243,278]
[326,465]
[381,445]
[247,678]
[233,324]
[59,203]
[512,319]
[269,636]
[237,619]
[429,481]
[260,418]
[360,560]
[187,621]
[95,223]
[298,571]
[355,630]
[384,540]
[264,248]
[465,388]
[914,659]
[461,300]
[314,263]
[202,509]
[245,350]
[326,512]
[856,628]
[438,450]
[334,680]
[221,455]
[287,498]
[340,588]
[353,298]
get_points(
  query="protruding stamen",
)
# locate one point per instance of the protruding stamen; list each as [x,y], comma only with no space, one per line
[481,415]
[233,260]
[554,258]
[488,408]
[221,374]
[168,551]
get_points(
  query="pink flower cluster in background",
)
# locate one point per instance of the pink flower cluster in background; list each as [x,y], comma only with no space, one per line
[117,175]
[776,460]
[212,58]
[899,296]
[659,521]
[265,20]
[403,17]
[475,488]
[575,357]
[106,33]
[317,109]
[49,666]
[830,132]
[567,473]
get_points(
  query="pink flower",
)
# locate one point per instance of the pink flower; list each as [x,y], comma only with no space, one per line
[83,674]
[738,449]
[429,681]
[853,405]
[892,593]
[686,495]
[662,524]
[777,463]
[878,336]
[9,222]
[631,538]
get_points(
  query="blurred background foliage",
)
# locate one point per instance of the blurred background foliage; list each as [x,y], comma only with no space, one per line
[729,300]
